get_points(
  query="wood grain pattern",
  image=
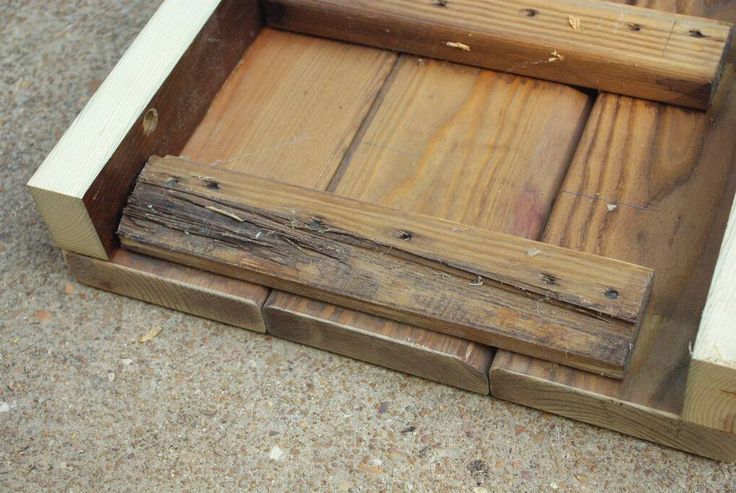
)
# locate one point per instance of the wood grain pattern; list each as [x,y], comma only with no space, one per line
[173,286]
[416,269]
[500,165]
[617,48]
[150,103]
[667,172]
[290,109]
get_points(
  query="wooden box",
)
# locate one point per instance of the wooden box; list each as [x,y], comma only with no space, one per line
[228,83]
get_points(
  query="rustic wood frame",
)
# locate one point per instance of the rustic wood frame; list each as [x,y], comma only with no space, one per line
[81,187]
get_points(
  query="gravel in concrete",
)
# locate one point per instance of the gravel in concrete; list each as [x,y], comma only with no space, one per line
[84,405]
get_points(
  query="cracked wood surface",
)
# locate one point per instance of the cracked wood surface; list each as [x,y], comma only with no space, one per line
[434,273]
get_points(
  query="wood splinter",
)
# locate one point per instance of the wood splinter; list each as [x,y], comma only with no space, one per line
[412,268]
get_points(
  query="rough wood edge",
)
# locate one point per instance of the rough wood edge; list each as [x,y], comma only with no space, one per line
[180,288]
[117,115]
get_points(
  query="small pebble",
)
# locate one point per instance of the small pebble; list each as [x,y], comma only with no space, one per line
[276,453]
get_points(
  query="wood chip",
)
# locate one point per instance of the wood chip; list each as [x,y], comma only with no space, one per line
[533,252]
[555,56]
[611,207]
[151,334]
[458,45]
[575,23]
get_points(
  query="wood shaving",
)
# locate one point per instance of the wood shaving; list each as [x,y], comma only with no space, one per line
[555,56]
[458,45]
[225,213]
[150,334]
[533,252]
[575,23]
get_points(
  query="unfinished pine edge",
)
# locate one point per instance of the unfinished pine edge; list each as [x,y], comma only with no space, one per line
[117,113]
[625,417]
[690,84]
[170,292]
[377,349]
[710,397]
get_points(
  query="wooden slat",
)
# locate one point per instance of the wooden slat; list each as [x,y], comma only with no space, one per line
[500,165]
[416,269]
[451,360]
[667,171]
[173,286]
[149,104]
[617,48]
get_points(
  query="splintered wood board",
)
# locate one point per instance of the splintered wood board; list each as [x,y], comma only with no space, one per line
[617,48]
[631,412]
[555,303]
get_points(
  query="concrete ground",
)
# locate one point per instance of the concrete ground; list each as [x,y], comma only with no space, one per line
[85,406]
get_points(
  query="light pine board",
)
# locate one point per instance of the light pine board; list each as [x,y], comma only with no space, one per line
[147,105]
[454,142]
[617,48]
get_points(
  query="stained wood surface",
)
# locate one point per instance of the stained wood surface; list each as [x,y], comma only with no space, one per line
[439,357]
[173,286]
[416,269]
[617,48]
[667,172]
[150,103]
[291,108]
[505,179]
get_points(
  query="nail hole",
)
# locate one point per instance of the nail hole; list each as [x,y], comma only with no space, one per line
[405,235]
[529,12]
[697,33]
[211,184]
[150,121]
[634,27]
[550,279]
[440,3]
[611,294]
[171,182]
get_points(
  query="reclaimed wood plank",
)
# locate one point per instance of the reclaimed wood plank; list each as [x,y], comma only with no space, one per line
[415,269]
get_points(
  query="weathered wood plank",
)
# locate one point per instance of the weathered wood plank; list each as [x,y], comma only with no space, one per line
[149,104]
[435,273]
[617,48]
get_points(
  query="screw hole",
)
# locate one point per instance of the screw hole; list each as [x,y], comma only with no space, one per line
[150,121]
[529,12]
[405,235]
[634,27]
[611,294]
[697,33]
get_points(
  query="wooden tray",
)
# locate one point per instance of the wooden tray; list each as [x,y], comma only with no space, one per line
[625,178]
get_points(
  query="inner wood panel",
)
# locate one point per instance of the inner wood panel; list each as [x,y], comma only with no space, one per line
[291,108]
[649,184]
[451,141]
